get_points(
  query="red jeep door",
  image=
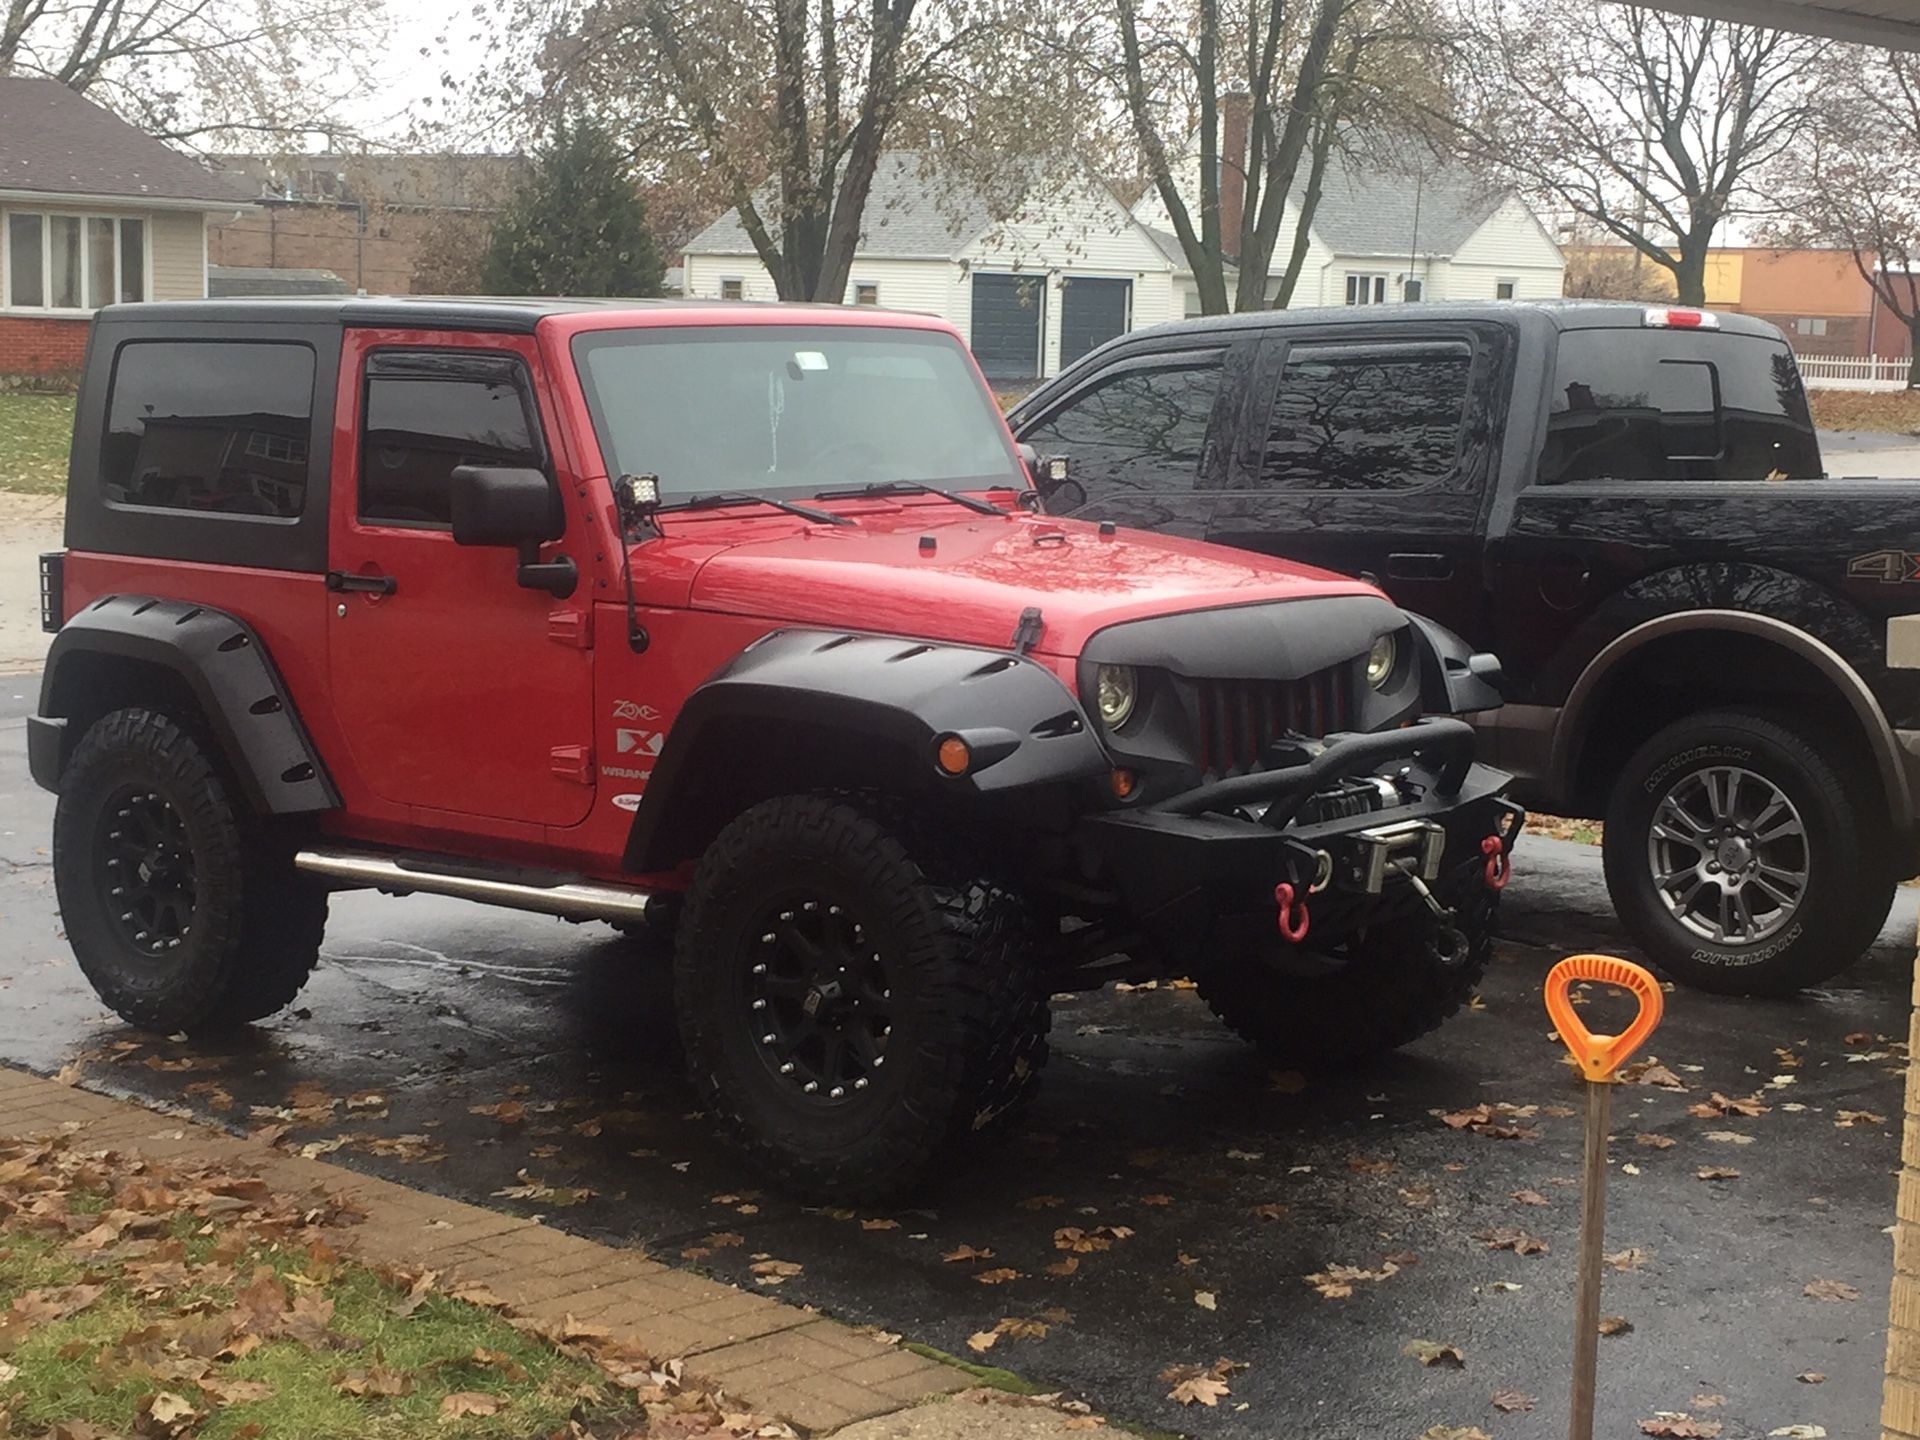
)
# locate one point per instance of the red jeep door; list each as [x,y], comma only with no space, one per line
[458,691]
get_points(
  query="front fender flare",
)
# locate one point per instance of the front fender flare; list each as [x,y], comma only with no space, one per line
[890,697]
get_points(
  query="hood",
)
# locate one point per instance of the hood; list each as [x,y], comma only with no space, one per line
[968,581]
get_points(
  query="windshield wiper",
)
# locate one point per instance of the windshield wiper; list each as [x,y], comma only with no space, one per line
[725,498]
[909,487]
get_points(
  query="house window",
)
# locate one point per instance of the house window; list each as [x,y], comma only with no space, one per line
[1413,290]
[1816,325]
[732,290]
[1503,289]
[866,294]
[1366,289]
[72,262]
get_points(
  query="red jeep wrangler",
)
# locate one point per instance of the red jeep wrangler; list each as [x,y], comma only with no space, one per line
[746,625]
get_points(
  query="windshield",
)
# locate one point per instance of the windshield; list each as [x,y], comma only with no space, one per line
[790,410]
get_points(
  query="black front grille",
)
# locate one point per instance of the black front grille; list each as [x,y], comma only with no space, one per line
[1239,719]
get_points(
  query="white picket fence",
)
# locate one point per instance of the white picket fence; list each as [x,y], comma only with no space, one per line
[1848,372]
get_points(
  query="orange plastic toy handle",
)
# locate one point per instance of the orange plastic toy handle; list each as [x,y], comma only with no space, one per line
[1600,1055]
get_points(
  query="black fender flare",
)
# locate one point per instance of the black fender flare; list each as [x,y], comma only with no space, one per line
[894,698]
[223,665]
[1455,679]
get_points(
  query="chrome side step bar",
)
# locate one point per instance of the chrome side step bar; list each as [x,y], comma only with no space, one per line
[572,900]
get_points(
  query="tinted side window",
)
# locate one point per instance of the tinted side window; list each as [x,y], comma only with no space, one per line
[1368,417]
[426,413]
[1143,431]
[211,426]
[1634,405]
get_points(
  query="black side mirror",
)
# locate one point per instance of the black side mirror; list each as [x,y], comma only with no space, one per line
[511,505]
[505,505]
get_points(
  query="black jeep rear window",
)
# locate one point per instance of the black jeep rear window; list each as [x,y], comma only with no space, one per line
[219,427]
[1656,405]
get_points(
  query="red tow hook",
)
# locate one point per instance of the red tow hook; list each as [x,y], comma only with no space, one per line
[1294,919]
[1499,863]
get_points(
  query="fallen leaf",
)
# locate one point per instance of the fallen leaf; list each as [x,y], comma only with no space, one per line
[376,1379]
[507,1112]
[1631,1258]
[1063,1267]
[1156,1200]
[470,1402]
[1509,1401]
[164,1415]
[1651,1072]
[1853,1119]
[1454,1432]
[723,1240]
[982,1341]
[1505,1237]
[1270,1211]
[1200,1390]
[1615,1325]
[1832,1291]
[1528,1197]
[1812,1377]
[1799,1432]
[879,1224]
[1206,1300]
[965,1253]
[1718,1104]
[996,1277]
[775,1272]
[1653,1141]
[223,1391]
[1716,1172]
[1368,1165]
[1431,1353]
[1680,1427]
[472,1292]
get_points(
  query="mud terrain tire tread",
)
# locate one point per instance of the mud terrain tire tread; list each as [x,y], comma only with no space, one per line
[257,922]
[969,943]
[1391,992]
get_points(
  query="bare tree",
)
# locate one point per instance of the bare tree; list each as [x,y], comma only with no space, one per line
[1855,184]
[782,109]
[200,71]
[1234,99]
[1652,127]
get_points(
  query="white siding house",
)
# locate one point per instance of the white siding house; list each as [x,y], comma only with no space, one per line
[1032,283]
[1379,235]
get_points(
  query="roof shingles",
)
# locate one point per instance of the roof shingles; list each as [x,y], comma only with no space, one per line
[55,142]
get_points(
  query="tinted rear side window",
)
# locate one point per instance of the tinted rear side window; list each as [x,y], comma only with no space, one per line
[1634,405]
[428,413]
[221,427]
[1143,431]
[1368,416]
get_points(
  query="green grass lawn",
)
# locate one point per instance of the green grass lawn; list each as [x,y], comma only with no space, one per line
[35,431]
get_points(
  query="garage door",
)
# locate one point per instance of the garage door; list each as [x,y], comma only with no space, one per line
[1009,321]
[1092,312]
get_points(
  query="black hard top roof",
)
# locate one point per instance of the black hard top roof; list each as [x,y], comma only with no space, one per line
[436,312]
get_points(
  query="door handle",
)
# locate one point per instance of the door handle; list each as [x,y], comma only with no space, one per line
[1420,567]
[339,580]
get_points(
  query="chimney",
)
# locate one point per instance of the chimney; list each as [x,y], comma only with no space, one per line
[1236,113]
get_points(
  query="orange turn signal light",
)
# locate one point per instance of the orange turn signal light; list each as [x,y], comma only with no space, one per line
[1123,782]
[952,755]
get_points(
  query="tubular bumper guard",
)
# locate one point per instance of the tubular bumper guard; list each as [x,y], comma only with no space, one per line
[1206,863]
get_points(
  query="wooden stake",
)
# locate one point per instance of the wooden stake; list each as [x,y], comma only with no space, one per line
[1593,1244]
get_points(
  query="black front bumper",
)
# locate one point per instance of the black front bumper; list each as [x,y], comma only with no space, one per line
[1204,866]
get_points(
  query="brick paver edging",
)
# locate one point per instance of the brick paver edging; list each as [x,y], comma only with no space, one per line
[775,1359]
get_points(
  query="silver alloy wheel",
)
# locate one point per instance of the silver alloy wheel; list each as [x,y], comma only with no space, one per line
[1729,856]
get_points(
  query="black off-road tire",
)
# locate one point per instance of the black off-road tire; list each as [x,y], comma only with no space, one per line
[968,1013]
[1847,892]
[1394,987]
[251,932]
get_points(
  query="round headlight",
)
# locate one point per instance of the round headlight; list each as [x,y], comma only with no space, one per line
[1114,690]
[1380,662]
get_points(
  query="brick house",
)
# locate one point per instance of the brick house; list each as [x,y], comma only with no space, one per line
[92,212]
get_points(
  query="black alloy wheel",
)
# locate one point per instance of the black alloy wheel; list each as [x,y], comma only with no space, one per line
[818,997]
[144,863]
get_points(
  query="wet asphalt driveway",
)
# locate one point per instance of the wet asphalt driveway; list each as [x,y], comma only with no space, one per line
[1234,1183]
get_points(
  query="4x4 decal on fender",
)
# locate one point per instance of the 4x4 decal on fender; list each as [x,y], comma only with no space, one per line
[1889,567]
[637,742]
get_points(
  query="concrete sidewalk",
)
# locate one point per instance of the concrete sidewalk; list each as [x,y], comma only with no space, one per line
[817,1374]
